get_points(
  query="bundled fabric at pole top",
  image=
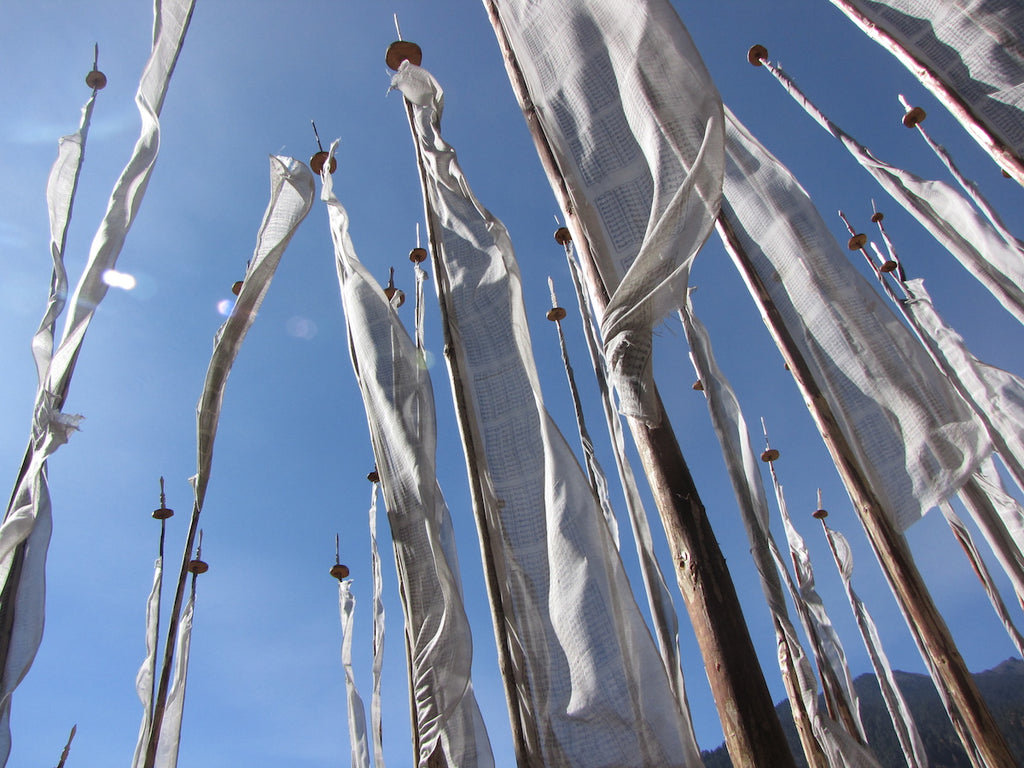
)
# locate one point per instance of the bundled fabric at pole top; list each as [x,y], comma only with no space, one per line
[636,125]
[590,683]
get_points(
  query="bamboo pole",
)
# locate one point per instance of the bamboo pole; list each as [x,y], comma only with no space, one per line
[524,743]
[971,718]
[1005,157]
[753,734]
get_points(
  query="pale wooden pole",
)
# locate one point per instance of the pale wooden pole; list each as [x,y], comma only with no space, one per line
[1006,158]
[971,718]
[753,734]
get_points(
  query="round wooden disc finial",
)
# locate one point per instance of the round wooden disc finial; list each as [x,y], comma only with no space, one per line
[819,514]
[418,255]
[236,287]
[877,216]
[563,236]
[339,571]
[316,162]
[197,566]
[770,455]
[914,116]
[402,50]
[555,314]
[698,386]
[373,477]
[888,266]
[857,242]
[96,80]
[757,55]
[1005,174]
[163,513]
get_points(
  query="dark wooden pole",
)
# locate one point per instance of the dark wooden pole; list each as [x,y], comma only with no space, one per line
[753,734]
[971,718]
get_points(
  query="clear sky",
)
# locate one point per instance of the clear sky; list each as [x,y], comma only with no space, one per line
[266,685]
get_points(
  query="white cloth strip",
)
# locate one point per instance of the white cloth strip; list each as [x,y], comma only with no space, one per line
[591,679]
[399,401]
[376,725]
[902,719]
[945,213]
[913,437]
[358,744]
[147,672]
[170,727]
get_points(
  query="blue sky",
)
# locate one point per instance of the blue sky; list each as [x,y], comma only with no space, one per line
[266,685]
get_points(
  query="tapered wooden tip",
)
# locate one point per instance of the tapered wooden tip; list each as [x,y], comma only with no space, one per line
[857,242]
[402,50]
[563,236]
[316,162]
[418,255]
[770,455]
[163,513]
[914,116]
[339,571]
[236,287]
[877,217]
[373,477]
[96,80]
[698,385]
[819,514]
[889,266]
[555,314]
[757,55]
[197,566]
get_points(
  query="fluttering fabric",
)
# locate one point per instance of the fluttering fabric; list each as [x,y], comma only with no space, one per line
[147,672]
[591,689]
[170,726]
[902,719]
[360,747]
[636,124]
[973,47]
[992,256]
[817,731]
[25,533]
[664,618]
[376,726]
[399,401]
[913,437]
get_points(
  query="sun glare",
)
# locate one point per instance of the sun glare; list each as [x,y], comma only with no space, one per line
[116,279]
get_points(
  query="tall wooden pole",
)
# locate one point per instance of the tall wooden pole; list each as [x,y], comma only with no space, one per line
[524,741]
[1005,157]
[753,734]
[971,718]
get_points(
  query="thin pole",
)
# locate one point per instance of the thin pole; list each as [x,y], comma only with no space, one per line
[67,747]
[753,734]
[1005,157]
[525,758]
[971,718]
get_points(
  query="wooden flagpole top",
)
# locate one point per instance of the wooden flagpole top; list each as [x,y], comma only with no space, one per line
[402,50]
[563,236]
[163,513]
[914,116]
[757,55]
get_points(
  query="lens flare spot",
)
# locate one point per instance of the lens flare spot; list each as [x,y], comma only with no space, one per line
[224,306]
[301,328]
[116,279]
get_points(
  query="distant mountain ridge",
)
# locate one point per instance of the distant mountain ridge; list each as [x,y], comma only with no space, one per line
[1002,688]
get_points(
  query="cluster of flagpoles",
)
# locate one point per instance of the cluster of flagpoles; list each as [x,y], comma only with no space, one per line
[557,590]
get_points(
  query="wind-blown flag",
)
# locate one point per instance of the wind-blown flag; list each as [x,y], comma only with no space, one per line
[635,121]
[992,256]
[968,53]
[912,435]
[590,686]
[147,672]
[25,533]
[170,727]
[360,748]
[399,401]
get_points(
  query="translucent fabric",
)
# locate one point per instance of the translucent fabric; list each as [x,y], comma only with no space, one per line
[170,726]
[913,437]
[147,672]
[974,47]
[359,746]
[590,686]
[992,256]
[399,400]
[636,124]
[25,533]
